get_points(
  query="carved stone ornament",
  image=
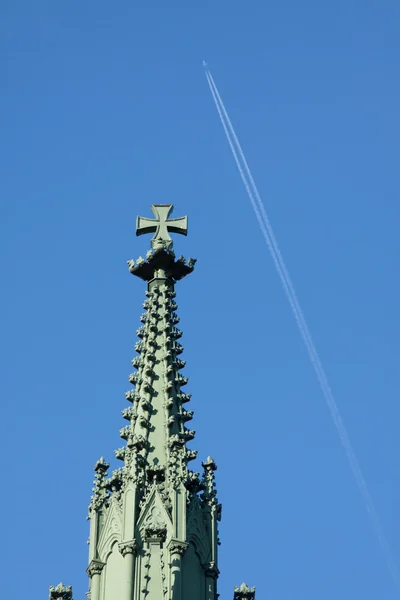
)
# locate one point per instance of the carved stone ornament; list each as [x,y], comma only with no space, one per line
[129,547]
[211,570]
[100,494]
[155,526]
[161,226]
[244,593]
[177,547]
[60,592]
[95,567]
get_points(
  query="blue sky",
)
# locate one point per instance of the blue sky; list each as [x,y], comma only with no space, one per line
[104,110]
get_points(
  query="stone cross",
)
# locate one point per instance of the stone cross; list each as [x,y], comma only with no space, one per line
[161,225]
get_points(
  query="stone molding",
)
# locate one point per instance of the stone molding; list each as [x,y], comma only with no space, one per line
[95,567]
[128,547]
[177,547]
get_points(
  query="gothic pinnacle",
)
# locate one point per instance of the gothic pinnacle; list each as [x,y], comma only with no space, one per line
[147,514]
[60,592]
[244,592]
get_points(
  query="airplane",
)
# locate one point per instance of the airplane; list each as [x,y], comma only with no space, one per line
[205,65]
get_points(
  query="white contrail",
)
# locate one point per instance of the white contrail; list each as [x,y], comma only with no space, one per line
[287,284]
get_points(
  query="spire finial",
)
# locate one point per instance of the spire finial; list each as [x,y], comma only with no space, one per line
[161,226]
[244,592]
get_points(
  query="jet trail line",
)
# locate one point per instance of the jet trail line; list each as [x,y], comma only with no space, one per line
[268,233]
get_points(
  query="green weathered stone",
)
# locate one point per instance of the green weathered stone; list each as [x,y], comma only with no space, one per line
[154,522]
[161,225]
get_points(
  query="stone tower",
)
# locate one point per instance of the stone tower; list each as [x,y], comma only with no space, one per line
[154,522]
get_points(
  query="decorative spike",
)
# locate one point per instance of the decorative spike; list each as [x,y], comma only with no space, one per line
[189,434]
[187,415]
[190,455]
[120,453]
[175,440]
[124,432]
[135,378]
[137,441]
[176,333]
[130,396]
[100,495]
[115,481]
[181,380]
[101,465]
[209,464]
[128,413]
[136,362]
[184,397]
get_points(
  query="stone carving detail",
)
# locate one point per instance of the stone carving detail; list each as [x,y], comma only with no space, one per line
[190,455]
[155,526]
[193,483]
[60,592]
[146,567]
[177,547]
[209,497]
[163,575]
[130,395]
[244,593]
[100,492]
[211,570]
[120,453]
[129,547]
[95,567]
[128,413]
[157,460]
[184,397]
[187,415]
[124,432]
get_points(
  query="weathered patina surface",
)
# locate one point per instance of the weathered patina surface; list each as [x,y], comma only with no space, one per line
[154,521]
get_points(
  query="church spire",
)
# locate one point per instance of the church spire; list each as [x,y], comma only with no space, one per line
[153,521]
[157,435]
